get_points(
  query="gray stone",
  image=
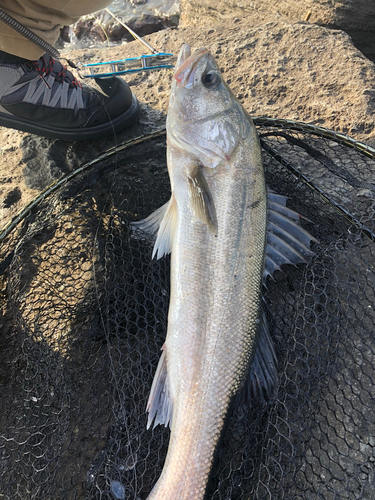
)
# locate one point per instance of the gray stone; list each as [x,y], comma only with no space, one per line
[90,30]
[276,67]
[343,14]
[46,160]
[12,197]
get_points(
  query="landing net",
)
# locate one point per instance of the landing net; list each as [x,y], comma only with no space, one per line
[83,315]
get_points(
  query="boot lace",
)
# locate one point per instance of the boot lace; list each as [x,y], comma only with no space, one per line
[46,66]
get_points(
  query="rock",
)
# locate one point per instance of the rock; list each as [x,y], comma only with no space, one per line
[364,41]
[277,68]
[138,2]
[12,197]
[89,29]
[46,160]
[116,33]
[65,34]
[343,14]
[148,24]
[145,25]
[92,29]
[43,163]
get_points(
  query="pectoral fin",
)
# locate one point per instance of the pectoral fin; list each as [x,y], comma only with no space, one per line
[162,222]
[201,199]
[159,405]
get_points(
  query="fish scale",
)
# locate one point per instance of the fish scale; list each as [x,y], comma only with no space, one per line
[215,226]
[213,319]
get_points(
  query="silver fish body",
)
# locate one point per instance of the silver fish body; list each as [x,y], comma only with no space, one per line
[217,263]
[213,316]
[215,226]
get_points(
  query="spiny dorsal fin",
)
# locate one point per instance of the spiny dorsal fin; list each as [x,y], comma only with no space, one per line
[201,199]
[159,405]
[287,241]
[162,221]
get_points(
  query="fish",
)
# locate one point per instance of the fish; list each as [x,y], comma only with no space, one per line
[226,233]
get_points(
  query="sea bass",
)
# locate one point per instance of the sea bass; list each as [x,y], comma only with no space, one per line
[215,226]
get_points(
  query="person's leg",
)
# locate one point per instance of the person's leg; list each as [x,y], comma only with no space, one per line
[43,17]
[39,95]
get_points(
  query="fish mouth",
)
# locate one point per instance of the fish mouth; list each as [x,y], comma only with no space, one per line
[210,136]
[185,72]
[184,53]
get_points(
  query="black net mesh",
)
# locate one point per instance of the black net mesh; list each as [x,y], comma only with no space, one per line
[83,318]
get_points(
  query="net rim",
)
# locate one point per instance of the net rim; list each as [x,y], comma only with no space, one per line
[258,121]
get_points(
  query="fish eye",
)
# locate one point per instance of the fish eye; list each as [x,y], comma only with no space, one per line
[211,79]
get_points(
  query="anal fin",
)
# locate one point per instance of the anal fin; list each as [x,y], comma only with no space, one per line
[159,405]
[262,378]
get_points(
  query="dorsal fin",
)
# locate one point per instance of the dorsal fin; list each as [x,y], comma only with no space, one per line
[287,241]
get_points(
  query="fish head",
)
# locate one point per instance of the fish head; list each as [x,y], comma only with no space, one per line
[205,120]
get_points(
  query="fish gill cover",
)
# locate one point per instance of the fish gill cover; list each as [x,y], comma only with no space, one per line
[84,315]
